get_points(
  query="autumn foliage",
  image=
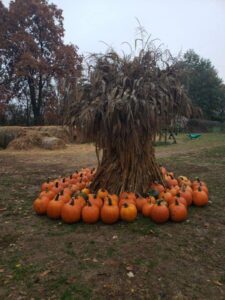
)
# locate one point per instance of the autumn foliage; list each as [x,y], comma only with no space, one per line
[36,65]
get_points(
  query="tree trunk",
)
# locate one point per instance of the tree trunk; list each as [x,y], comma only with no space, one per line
[36,105]
[37,116]
[128,170]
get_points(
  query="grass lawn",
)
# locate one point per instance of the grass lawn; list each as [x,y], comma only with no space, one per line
[45,259]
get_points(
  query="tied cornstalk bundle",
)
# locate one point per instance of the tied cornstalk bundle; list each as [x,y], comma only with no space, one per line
[121,104]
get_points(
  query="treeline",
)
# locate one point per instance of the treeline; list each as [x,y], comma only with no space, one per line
[38,70]
[203,85]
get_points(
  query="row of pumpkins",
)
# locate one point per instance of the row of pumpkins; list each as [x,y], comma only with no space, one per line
[71,200]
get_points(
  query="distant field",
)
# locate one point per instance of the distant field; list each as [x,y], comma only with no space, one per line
[44,259]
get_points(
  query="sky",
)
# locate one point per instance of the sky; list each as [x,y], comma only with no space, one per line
[178,24]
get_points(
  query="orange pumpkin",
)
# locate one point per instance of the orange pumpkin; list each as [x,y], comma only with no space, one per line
[147,208]
[186,194]
[167,196]
[132,196]
[90,213]
[64,197]
[47,193]
[80,184]
[126,200]
[56,188]
[158,187]
[46,185]
[64,183]
[128,212]
[170,180]
[115,198]
[111,200]
[178,212]
[68,191]
[200,197]
[159,212]
[71,212]
[80,201]
[197,182]
[54,208]
[174,190]
[40,205]
[109,212]
[102,193]
[140,202]
[203,187]
[179,199]
[95,200]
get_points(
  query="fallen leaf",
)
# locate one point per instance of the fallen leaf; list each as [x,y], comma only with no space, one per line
[95,260]
[45,273]
[2,270]
[130,274]
[115,237]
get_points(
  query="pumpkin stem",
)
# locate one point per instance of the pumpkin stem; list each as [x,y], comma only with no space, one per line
[48,180]
[71,176]
[199,189]
[62,192]
[89,203]
[64,180]
[57,197]
[72,202]
[177,202]
[109,201]
[178,195]
[56,184]
[125,205]
[197,179]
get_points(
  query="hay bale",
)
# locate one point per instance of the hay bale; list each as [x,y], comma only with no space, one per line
[56,131]
[26,138]
[26,141]
[7,134]
[52,143]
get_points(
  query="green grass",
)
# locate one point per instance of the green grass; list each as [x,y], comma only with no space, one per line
[90,261]
[77,291]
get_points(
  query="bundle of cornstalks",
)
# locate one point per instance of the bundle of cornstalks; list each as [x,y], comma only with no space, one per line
[120,105]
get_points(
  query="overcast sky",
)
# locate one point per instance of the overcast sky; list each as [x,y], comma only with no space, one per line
[179,24]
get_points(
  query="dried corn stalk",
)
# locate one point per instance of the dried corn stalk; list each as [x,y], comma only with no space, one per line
[120,105]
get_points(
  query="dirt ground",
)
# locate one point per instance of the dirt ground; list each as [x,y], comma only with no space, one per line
[46,259]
